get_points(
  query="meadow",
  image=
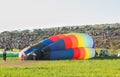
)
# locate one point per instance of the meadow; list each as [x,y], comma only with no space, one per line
[95,67]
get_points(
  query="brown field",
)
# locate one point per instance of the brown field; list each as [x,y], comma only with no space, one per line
[18,63]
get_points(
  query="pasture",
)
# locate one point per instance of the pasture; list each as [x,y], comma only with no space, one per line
[96,67]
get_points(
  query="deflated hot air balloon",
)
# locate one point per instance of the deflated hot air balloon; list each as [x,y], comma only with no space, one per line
[62,46]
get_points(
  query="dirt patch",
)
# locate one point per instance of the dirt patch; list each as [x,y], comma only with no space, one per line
[18,63]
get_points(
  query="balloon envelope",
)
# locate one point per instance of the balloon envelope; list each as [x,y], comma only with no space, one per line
[63,46]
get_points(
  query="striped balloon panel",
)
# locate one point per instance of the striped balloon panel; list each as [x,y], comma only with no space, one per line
[75,53]
[72,41]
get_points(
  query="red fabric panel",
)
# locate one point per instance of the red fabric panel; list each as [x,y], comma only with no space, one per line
[68,42]
[82,53]
[54,38]
[76,53]
[74,41]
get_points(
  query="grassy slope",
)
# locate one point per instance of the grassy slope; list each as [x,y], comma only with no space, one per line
[97,67]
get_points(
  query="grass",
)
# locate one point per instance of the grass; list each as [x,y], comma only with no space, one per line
[96,67]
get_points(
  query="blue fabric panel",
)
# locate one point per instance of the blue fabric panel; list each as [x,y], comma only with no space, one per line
[47,42]
[30,50]
[61,54]
[59,45]
[89,40]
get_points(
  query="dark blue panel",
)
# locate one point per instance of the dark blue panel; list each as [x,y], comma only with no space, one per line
[59,45]
[45,49]
[93,43]
[62,54]
[47,42]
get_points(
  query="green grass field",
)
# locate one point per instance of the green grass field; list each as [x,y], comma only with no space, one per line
[96,67]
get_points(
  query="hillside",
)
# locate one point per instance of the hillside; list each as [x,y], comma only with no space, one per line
[105,35]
